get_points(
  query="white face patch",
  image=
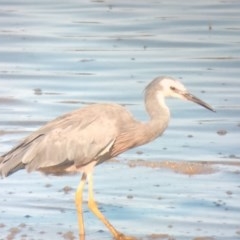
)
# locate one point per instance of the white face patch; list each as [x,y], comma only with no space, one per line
[179,86]
[161,99]
[168,85]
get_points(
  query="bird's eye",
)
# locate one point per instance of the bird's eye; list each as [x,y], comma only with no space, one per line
[173,88]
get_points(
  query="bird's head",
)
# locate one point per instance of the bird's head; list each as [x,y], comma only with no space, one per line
[170,87]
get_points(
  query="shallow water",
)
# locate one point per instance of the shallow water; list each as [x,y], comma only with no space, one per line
[58,56]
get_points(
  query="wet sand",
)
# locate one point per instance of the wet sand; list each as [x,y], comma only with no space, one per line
[153,201]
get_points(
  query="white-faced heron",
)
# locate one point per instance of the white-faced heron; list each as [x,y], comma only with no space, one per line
[82,139]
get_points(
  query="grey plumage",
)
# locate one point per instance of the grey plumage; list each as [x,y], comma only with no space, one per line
[75,138]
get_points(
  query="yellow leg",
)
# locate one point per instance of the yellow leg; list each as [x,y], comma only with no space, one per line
[94,208]
[78,202]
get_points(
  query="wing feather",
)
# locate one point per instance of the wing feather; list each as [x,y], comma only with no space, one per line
[76,138]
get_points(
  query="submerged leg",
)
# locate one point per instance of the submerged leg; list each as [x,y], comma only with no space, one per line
[94,208]
[78,202]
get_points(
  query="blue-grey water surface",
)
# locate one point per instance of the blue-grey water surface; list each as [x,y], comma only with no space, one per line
[56,56]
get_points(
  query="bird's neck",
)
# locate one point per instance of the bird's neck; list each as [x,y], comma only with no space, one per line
[139,133]
[159,115]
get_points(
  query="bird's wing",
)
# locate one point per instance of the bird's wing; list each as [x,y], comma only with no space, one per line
[78,138]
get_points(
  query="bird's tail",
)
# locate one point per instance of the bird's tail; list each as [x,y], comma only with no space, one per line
[9,165]
[11,161]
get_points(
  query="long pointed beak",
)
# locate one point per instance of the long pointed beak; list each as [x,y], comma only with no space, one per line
[192,98]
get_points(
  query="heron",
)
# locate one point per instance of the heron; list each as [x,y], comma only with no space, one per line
[82,139]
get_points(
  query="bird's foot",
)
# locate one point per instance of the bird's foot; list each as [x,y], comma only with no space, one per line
[81,236]
[121,236]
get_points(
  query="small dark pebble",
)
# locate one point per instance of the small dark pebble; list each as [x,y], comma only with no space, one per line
[2,225]
[68,236]
[37,91]
[222,132]
[67,189]
[22,225]
[130,196]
